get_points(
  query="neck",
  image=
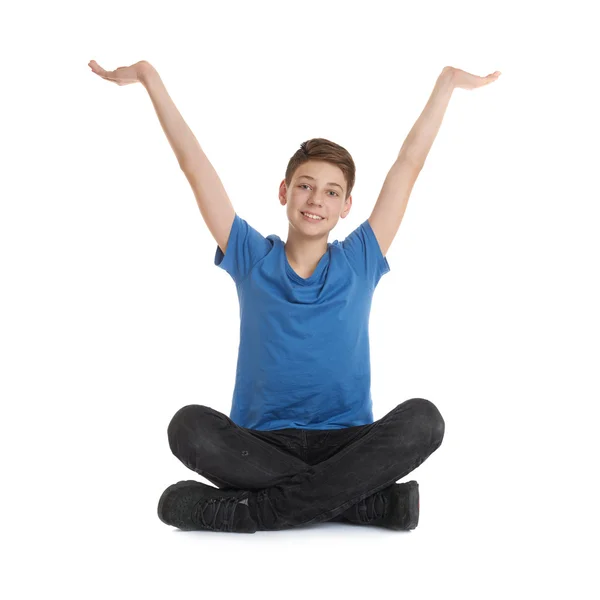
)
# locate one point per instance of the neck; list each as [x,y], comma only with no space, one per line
[305,251]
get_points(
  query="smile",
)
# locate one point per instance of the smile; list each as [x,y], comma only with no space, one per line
[315,220]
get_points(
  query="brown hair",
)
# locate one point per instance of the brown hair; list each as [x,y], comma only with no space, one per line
[322,149]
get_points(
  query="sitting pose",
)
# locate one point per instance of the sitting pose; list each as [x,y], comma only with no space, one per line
[300,445]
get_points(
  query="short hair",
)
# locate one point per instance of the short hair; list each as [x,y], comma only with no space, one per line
[324,150]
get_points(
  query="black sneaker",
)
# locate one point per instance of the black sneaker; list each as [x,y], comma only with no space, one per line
[403,507]
[395,507]
[192,505]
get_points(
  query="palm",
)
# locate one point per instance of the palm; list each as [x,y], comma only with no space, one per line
[468,81]
[120,76]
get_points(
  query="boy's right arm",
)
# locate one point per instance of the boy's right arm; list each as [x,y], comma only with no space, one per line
[214,204]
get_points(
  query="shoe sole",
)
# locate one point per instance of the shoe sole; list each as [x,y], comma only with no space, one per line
[413,504]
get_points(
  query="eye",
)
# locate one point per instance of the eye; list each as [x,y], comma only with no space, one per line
[306,184]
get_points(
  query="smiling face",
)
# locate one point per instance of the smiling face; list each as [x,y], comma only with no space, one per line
[319,188]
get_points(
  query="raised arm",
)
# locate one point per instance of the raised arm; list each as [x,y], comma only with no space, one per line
[212,199]
[389,209]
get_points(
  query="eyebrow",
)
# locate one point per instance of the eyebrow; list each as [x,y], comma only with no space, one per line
[330,183]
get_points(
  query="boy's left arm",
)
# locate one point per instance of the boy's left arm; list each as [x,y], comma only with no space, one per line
[389,209]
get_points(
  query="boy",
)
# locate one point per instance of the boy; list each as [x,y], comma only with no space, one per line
[300,445]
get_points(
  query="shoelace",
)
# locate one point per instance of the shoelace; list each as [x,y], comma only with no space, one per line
[372,507]
[206,512]
[266,510]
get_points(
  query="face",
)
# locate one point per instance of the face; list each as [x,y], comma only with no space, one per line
[319,188]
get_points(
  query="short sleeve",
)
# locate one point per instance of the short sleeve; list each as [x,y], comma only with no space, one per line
[364,254]
[245,247]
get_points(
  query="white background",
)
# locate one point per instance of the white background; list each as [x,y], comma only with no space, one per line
[114,315]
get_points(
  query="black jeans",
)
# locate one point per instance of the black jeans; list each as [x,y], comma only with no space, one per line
[302,476]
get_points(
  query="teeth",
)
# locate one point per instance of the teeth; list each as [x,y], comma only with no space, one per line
[312,217]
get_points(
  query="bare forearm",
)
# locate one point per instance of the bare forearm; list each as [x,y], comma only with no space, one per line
[421,137]
[180,136]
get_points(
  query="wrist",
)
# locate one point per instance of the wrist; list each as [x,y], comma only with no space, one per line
[447,74]
[145,71]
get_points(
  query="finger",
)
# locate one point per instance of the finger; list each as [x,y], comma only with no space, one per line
[110,75]
[487,79]
[96,67]
[100,71]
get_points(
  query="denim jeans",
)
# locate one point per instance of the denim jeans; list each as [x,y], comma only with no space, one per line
[302,476]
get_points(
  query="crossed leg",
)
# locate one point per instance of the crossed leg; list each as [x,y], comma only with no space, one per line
[289,492]
[211,444]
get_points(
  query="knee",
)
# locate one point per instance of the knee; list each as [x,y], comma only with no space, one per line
[185,424]
[430,418]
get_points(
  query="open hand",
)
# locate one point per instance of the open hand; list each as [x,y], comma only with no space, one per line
[467,81]
[121,75]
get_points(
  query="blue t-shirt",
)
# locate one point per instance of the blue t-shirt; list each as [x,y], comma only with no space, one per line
[303,358]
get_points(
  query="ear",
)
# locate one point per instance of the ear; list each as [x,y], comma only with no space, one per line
[347,207]
[283,193]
